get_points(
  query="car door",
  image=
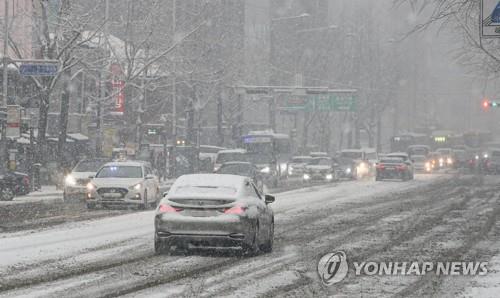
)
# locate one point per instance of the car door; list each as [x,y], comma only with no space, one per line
[265,215]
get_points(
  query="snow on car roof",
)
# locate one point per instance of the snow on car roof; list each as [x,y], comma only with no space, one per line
[210,180]
[352,150]
[207,185]
[233,151]
[125,163]
[397,154]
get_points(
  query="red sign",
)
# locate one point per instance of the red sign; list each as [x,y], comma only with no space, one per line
[119,96]
[117,88]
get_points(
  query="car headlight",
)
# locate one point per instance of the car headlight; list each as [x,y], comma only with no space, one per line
[265,170]
[70,180]
[307,177]
[283,167]
[329,177]
[348,170]
[485,155]
[449,160]
[136,187]
[90,186]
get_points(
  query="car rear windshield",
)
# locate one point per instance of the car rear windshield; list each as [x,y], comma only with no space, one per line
[120,172]
[227,157]
[89,165]
[236,169]
[321,162]
[205,190]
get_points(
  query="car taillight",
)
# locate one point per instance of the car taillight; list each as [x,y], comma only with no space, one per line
[401,168]
[235,210]
[380,167]
[164,208]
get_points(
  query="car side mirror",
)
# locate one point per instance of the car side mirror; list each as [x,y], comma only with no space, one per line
[165,193]
[149,176]
[269,199]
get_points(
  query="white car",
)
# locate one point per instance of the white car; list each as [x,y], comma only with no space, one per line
[297,165]
[75,183]
[123,183]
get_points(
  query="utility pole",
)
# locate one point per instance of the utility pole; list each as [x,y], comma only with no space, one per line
[220,134]
[174,97]
[102,80]
[272,112]
[3,141]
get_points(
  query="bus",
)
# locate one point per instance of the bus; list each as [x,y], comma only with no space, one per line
[269,151]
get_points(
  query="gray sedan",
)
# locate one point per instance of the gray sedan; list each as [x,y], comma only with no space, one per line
[214,210]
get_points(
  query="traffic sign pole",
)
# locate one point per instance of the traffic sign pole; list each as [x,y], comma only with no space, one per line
[3,141]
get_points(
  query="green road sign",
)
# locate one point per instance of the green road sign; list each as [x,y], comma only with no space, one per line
[323,103]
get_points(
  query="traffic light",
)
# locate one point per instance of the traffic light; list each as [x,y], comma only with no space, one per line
[486,104]
[490,104]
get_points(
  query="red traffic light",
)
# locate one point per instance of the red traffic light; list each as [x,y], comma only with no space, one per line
[486,104]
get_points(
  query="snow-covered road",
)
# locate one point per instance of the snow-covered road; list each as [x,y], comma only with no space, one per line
[114,256]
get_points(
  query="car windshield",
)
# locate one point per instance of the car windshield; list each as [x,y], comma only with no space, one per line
[351,154]
[320,162]
[120,172]
[89,165]
[262,158]
[233,156]
[236,169]
[418,158]
[343,161]
[403,157]
[300,160]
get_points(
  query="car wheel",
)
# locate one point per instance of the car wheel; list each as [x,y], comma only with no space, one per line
[404,177]
[161,247]
[155,202]
[7,194]
[268,246]
[253,248]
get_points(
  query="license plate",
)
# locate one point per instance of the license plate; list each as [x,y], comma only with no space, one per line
[202,213]
[112,195]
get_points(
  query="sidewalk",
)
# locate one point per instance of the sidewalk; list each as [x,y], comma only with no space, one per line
[46,191]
